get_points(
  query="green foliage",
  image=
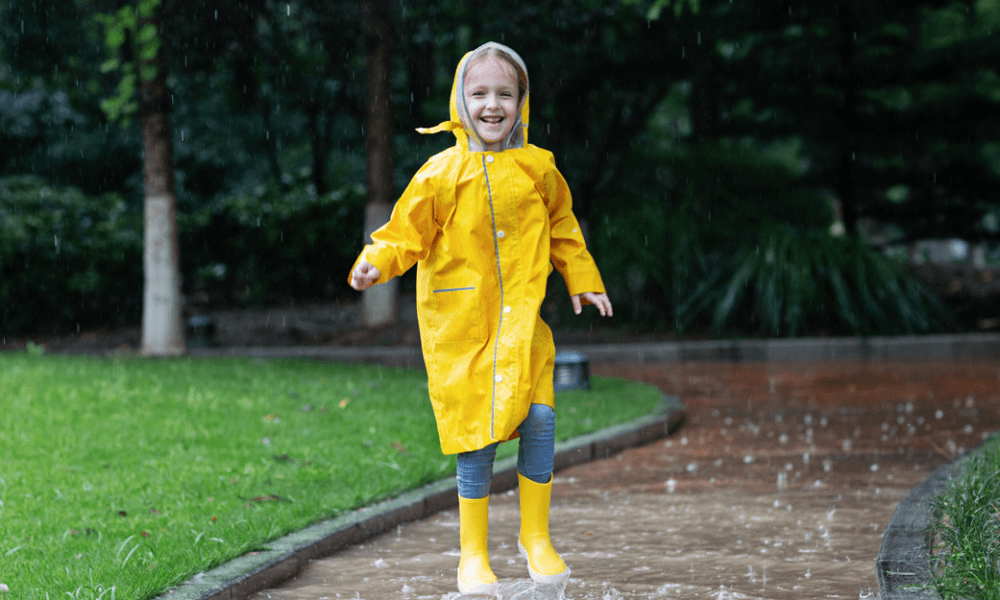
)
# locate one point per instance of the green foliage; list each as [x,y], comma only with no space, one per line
[742,247]
[656,7]
[965,527]
[148,472]
[794,282]
[773,113]
[268,246]
[67,260]
[127,33]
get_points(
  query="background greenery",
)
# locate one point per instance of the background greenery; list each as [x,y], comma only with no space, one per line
[137,474]
[695,135]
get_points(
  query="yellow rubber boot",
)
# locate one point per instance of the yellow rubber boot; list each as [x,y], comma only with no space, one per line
[544,564]
[474,573]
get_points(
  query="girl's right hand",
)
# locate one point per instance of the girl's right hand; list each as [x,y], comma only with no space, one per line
[364,275]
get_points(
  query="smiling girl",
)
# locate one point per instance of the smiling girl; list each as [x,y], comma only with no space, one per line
[485,221]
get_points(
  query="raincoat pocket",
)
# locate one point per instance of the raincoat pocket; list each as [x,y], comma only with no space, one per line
[458,315]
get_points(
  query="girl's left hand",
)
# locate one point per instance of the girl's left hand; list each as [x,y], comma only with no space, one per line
[599,300]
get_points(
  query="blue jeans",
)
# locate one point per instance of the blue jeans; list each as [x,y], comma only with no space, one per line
[534,455]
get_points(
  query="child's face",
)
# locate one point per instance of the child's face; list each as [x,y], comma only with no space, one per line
[491,95]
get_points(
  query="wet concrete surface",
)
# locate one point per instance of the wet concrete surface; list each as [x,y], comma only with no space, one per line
[778,486]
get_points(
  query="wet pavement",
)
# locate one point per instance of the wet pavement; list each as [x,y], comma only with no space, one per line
[778,486]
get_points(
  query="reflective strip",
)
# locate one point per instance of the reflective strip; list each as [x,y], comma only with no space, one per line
[496,344]
[454,289]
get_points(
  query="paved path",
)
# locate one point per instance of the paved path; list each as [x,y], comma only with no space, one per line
[779,486]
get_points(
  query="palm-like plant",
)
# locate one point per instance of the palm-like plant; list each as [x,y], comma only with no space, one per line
[793,282]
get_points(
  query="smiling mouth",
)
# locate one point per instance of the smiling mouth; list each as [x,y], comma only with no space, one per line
[491,120]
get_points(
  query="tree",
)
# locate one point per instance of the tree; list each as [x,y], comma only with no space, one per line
[379,302]
[134,36]
[162,325]
[893,104]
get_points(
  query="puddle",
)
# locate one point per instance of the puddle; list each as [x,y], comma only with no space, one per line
[700,544]
[778,488]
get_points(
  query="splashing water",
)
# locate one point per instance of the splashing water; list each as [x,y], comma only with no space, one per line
[520,589]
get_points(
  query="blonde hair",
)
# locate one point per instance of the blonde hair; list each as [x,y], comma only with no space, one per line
[496,53]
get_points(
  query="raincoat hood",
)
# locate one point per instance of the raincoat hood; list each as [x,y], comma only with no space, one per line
[463,126]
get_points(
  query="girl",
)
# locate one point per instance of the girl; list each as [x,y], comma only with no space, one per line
[485,221]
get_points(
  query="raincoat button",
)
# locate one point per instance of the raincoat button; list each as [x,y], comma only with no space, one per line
[498,378]
[489,158]
[506,310]
[500,234]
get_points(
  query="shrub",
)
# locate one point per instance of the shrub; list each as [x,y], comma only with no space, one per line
[67,260]
[269,246]
[793,283]
[730,243]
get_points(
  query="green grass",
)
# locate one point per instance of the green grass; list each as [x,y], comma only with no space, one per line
[132,475]
[965,530]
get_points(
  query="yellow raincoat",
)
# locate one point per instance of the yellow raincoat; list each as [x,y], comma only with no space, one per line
[482,228]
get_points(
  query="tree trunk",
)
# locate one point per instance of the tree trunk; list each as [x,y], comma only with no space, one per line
[379,302]
[848,148]
[319,125]
[162,326]
[704,101]
[271,143]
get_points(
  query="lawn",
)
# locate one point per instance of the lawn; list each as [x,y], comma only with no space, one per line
[122,477]
[965,529]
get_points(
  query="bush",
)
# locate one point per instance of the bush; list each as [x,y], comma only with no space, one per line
[70,261]
[269,246]
[794,283]
[731,244]
[67,260]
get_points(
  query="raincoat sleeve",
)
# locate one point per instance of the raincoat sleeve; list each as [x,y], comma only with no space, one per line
[569,252]
[407,237]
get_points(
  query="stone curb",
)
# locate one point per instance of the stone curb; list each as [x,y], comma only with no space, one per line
[922,347]
[902,564]
[286,556]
